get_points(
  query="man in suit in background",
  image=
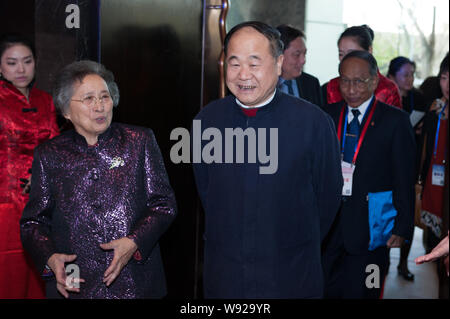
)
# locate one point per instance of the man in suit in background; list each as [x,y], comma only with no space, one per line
[293,80]
[378,151]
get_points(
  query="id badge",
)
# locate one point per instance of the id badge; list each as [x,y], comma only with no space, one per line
[438,175]
[347,174]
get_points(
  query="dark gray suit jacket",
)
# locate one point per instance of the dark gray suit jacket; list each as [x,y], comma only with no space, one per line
[309,89]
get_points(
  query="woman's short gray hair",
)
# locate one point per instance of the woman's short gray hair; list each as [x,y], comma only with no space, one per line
[77,71]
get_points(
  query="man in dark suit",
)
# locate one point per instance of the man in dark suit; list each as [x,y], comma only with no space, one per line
[293,80]
[378,151]
[263,229]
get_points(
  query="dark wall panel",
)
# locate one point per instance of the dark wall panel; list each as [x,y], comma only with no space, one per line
[154,50]
[17,16]
[58,45]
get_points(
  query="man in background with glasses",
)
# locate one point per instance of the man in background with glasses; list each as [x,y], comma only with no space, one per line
[377,211]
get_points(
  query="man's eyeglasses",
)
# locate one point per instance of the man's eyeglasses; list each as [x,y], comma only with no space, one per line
[358,83]
[92,100]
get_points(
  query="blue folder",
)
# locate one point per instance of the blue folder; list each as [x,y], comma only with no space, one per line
[381,218]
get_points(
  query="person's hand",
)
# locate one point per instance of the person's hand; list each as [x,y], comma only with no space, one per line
[434,106]
[124,248]
[440,250]
[26,185]
[438,105]
[419,188]
[57,263]
[395,241]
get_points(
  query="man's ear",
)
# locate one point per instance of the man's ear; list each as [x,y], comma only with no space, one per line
[280,60]
[376,80]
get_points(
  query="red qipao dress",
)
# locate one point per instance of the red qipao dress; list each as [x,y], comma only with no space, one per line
[434,194]
[386,92]
[23,125]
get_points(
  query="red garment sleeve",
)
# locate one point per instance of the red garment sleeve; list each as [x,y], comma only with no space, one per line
[54,130]
[387,92]
[333,91]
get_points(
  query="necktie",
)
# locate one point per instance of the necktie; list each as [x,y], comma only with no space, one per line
[288,83]
[351,137]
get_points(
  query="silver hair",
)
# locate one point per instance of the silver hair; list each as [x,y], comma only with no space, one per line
[76,72]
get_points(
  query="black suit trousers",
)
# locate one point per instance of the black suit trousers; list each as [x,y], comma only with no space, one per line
[355,276]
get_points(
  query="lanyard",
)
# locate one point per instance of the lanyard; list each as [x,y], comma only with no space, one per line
[436,138]
[364,131]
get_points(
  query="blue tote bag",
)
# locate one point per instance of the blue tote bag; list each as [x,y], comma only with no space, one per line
[381,218]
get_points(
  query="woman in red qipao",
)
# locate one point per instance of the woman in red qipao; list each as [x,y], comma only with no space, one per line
[360,38]
[27,118]
[434,169]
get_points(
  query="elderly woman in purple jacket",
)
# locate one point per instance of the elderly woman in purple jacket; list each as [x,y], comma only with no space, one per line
[100,197]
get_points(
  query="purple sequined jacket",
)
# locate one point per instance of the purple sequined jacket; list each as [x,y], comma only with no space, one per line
[83,196]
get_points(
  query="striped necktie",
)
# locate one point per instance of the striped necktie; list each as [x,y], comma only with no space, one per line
[288,83]
[351,137]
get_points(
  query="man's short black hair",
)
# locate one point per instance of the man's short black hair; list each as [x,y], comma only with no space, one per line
[363,55]
[289,34]
[272,34]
